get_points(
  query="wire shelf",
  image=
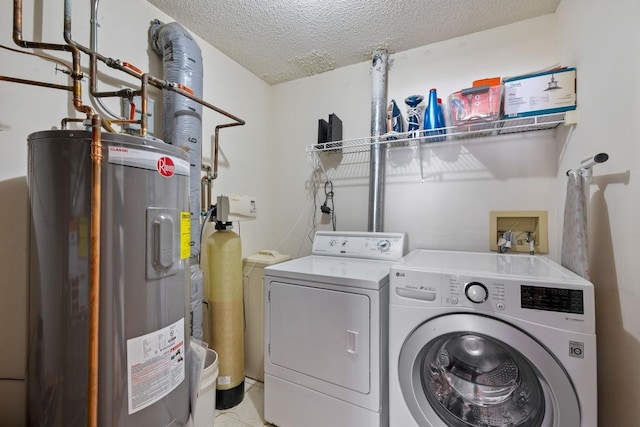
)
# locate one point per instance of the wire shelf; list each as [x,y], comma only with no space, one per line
[452,134]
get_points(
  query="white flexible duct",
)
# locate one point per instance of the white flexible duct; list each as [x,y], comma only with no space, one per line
[182,62]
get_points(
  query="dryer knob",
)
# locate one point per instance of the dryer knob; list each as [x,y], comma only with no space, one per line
[476,292]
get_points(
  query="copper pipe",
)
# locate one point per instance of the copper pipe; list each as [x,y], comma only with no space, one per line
[143,109]
[45,57]
[94,269]
[147,79]
[173,87]
[106,124]
[63,122]
[121,122]
[96,156]
[216,144]
[132,71]
[76,74]
[36,83]
[93,58]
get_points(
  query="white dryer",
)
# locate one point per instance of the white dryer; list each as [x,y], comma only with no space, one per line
[326,344]
[485,339]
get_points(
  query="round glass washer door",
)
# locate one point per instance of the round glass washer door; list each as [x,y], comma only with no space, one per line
[463,370]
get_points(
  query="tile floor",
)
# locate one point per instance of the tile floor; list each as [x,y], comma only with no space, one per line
[249,412]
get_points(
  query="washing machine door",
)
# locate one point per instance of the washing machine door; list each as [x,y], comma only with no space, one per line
[472,370]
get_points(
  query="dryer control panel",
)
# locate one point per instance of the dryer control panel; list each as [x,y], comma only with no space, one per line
[368,245]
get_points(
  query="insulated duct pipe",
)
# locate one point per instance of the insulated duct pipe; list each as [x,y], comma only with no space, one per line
[379,74]
[182,63]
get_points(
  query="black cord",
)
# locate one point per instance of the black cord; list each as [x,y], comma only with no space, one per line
[315,178]
[329,198]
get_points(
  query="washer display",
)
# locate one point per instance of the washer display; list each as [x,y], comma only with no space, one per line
[490,340]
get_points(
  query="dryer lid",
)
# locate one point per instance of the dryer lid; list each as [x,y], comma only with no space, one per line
[360,273]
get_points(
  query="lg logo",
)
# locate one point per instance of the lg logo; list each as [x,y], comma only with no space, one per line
[576,349]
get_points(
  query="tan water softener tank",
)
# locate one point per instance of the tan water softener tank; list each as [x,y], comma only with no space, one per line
[252,279]
[223,273]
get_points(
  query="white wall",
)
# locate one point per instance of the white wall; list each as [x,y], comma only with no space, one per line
[267,156]
[26,109]
[602,41]
[462,182]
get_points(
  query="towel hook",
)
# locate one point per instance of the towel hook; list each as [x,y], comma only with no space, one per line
[588,163]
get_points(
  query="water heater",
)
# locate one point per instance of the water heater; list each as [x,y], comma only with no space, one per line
[144,285]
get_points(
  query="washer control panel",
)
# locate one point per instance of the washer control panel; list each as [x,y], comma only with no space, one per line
[451,290]
[464,291]
[369,245]
[523,287]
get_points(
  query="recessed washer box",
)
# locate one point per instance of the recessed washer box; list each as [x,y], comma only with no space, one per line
[520,223]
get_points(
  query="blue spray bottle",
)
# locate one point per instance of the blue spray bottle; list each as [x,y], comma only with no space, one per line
[433,117]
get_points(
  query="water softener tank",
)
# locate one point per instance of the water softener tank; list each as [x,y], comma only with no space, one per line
[144,287]
[223,275]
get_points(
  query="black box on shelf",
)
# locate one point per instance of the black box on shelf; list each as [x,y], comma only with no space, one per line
[329,132]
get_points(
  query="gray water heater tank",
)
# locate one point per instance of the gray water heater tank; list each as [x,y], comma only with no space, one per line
[144,295]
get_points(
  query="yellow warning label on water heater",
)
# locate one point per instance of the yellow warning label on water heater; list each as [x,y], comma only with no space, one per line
[185,235]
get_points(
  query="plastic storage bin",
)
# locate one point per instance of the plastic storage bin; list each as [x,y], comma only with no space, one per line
[478,103]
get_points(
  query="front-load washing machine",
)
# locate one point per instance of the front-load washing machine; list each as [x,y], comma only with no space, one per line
[326,344]
[485,339]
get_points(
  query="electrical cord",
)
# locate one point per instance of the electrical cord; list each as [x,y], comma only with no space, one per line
[316,176]
[329,198]
[328,207]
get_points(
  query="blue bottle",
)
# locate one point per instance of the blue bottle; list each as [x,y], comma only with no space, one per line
[433,119]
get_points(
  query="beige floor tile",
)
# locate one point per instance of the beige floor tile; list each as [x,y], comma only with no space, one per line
[248,383]
[249,412]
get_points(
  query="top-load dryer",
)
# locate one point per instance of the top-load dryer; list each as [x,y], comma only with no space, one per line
[486,339]
[326,343]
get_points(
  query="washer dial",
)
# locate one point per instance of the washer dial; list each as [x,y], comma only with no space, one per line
[476,292]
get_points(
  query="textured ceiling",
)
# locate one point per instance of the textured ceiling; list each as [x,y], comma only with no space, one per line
[282,40]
